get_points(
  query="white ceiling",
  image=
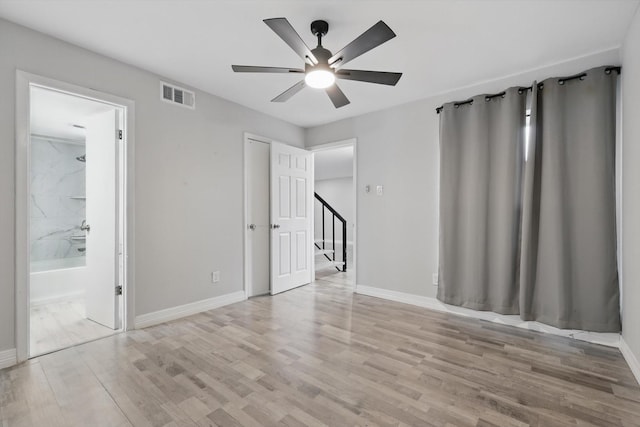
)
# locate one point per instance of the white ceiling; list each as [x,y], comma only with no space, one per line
[333,163]
[54,113]
[441,45]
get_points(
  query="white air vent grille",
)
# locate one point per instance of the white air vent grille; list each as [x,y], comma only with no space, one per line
[177,95]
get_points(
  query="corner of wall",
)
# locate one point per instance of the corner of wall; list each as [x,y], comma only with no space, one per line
[630,275]
[631,359]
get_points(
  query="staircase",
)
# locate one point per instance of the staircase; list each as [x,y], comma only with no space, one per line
[326,246]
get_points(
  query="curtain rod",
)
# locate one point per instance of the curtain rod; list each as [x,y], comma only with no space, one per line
[561,81]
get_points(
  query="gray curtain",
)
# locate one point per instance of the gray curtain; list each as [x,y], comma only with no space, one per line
[569,276]
[481,149]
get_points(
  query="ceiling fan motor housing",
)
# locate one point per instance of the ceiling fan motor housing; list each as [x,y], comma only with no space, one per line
[322,55]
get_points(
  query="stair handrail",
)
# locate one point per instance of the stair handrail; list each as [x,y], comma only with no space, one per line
[336,214]
[331,209]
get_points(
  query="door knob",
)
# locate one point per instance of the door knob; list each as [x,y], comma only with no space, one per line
[85,226]
[252,226]
[274,226]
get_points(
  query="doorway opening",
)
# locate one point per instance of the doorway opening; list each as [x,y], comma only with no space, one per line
[71,202]
[335,213]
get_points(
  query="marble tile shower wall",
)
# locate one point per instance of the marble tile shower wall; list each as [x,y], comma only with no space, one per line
[57,209]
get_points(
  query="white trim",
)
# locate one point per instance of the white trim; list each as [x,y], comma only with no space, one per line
[173,313]
[351,142]
[631,359]
[57,298]
[603,338]
[24,82]
[8,358]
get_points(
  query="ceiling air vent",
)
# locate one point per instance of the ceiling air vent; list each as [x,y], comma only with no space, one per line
[177,95]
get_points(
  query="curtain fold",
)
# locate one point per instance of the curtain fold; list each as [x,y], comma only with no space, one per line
[568,274]
[481,148]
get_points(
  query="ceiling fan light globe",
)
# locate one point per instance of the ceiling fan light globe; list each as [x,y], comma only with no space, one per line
[320,79]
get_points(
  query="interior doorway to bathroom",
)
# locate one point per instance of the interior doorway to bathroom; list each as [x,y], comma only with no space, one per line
[76,219]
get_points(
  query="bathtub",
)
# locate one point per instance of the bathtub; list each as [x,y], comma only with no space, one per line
[57,280]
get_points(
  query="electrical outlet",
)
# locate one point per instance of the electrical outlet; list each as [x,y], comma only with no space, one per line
[379,190]
[434,279]
[215,277]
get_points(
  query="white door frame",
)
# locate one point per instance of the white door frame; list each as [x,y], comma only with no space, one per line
[24,82]
[351,142]
[245,201]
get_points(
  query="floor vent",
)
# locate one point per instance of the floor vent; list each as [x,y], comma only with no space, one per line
[177,95]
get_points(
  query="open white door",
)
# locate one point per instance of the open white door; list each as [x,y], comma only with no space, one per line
[291,203]
[102,160]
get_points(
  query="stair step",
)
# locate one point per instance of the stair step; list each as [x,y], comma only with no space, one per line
[324,251]
[329,264]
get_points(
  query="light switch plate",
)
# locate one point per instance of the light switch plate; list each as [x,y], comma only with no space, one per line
[434,279]
[379,190]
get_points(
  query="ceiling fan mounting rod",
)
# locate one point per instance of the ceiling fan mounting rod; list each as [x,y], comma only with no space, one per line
[319,28]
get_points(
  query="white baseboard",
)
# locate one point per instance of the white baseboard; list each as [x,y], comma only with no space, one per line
[603,338]
[8,358]
[57,298]
[631,359]
[161,316]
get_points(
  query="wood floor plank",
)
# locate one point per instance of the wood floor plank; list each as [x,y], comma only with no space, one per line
[320,355]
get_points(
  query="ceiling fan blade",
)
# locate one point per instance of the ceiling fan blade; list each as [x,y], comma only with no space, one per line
[338,97]
[283,28]
[254,69]
[380,77]
[371,38]
[284,96]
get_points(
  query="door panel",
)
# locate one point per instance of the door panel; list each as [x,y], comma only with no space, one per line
[285,254]
[102,164]
[291,190]
[285,197]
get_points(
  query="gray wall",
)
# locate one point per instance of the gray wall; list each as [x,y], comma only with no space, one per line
[630,188]
[188,174]
[398,148]
[338,192]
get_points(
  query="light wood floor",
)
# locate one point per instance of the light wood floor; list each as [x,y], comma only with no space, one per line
[60,325]
[320,355]
[337,277]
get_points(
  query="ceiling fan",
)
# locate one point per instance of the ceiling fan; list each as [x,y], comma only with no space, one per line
[322,68]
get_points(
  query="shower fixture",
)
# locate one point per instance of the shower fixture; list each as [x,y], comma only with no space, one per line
[82,158]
